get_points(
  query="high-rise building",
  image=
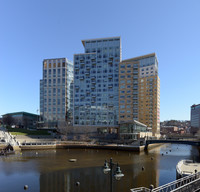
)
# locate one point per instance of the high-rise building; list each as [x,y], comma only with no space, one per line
[195,118]
[56,91]
[96,84]
[139,91]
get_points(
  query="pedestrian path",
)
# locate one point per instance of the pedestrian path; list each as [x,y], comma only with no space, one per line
[189,183]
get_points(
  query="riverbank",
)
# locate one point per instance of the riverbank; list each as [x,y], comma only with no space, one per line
[83,146]
[72,145]
[97,146]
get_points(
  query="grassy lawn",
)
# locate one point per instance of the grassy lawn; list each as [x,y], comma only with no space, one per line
[17,131]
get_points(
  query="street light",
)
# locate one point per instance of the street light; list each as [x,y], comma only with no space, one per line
[118,174]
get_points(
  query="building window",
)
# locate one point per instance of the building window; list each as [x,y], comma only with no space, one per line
[45,65]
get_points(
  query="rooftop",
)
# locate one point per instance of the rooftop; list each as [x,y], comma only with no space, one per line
[140,57]
[20,113]
[99,39]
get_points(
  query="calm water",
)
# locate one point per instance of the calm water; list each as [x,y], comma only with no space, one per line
[50,171]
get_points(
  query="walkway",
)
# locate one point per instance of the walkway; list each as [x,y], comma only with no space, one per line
[189,183]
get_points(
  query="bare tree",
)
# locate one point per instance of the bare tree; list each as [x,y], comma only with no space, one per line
[64,128]
[8,120]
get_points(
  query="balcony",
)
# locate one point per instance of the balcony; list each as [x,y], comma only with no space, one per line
[76,68]
[81,77]
[87,73]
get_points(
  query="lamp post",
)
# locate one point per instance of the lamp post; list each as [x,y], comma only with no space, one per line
[108,167]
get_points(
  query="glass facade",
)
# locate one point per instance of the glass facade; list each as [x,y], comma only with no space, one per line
[195,116]
[55,92]
[96,82]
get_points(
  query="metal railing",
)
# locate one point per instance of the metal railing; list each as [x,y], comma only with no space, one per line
[189,183]
[39,143]
[140,189]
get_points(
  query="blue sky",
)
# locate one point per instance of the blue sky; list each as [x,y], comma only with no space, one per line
[33,30]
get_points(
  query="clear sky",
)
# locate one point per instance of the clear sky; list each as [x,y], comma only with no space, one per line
[33,30]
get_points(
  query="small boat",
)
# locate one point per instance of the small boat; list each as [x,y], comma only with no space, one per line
[186,167]
[72,160]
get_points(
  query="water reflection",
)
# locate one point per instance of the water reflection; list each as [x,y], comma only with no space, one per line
[50,170]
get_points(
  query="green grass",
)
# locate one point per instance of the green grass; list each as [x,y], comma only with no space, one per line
[19,131]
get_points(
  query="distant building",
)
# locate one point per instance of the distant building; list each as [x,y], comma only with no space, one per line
[21,120]
[195,118]
[139,91]
[168,129]
[1,120]
[56,92]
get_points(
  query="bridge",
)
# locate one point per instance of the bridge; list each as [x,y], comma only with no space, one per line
[176,141]
[189,183]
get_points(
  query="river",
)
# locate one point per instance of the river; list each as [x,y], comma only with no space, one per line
[51,171]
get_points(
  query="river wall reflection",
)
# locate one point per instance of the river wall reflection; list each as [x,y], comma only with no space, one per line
[50,170]
[93,179]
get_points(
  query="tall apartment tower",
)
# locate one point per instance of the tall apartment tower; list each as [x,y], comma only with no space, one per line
[96,84]
[139,91]
[55,91]
[195,118]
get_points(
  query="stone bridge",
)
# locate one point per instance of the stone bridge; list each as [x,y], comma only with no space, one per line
[176,141]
